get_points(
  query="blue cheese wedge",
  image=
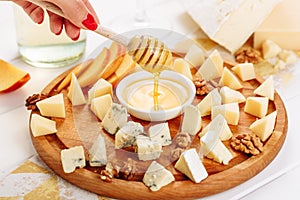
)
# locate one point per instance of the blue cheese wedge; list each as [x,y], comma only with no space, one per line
[126,136]
[190,164]
[147,149]
[157,176]
[72,158]
[213,148]
[41,125]
[161,133]
[192,121]
[97,153]
[115,118]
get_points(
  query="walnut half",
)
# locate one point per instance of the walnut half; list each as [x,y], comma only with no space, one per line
[248,143]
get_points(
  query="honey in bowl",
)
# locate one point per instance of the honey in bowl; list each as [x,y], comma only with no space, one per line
[136,92]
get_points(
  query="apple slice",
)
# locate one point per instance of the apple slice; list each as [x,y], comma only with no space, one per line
[96,69]
[11,77]
[77,71]
[112,67]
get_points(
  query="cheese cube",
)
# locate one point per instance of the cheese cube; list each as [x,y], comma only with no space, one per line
[191,122]
[126,136]
[212,67]
[231,96]
[72,158]
[189,163]
[100,105]
[289,57]
[157,176]
[53,106]
[147,149]
[75,93]
[264,127]
[266,89]
[213,98]
[270,49]
[220,126]
[257,106]
[279,64]
[230,80]
[161,133]
[229,23]
[183,67]
[245,71]
[195,56]
[97,153]
[230,111]
[101,87]
[42,126]
[115,118]
[213,148]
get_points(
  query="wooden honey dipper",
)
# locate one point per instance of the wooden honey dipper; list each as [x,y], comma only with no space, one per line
[150,53]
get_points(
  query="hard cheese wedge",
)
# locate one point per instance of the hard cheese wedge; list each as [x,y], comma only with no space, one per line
[190,164]
[195,56]
[230,111]
[264,127]
[192,121]
[41,125]
[183,67]
[257,106]
[266,89]
[101,87]
[11,77]
[213,148]
[75,93]
[157,176]
[245,71]
[53,106]
[97,153]
[230,96]
[230,80]
[213,98]
[100,105]
[229,23]
[212,67]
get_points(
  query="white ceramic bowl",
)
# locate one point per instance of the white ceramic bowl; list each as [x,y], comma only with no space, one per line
[182,88]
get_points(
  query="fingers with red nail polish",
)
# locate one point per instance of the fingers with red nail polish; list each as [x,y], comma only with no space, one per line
[89,22]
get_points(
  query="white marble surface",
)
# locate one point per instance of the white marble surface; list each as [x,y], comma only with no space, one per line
[277,181]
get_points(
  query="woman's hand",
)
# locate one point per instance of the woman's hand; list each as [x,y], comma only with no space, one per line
[78,14]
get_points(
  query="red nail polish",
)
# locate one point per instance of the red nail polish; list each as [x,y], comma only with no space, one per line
[90,22]
[77,37]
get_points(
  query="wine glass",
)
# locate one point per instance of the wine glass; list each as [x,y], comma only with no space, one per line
[139,20]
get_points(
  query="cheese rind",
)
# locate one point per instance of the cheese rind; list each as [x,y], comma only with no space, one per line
[224,21]
[126,136]
[72,158]
[75,93]
[97,153]
[115,118]
[257,106]
[157,176]
[161,133]
[42,126]
[189,163]
[53,106]
[264,127]
[192,121]
[212,67]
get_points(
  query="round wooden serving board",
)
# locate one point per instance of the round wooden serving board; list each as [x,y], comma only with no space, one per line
[81,127]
